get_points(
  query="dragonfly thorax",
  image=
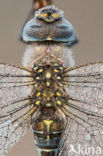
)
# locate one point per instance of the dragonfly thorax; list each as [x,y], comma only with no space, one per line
[53,54]
[49,92]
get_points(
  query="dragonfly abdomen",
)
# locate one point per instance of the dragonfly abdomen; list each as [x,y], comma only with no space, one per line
[48,128]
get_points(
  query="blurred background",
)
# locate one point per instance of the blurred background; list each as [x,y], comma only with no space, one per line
[87,19]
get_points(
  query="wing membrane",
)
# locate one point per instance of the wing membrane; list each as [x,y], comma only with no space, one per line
[79,137]
[16,84]
[84,110]
[91,69]
[13,127]
[88,84]
[85,129]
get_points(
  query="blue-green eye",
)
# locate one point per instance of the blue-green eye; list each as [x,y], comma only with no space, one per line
[59,31]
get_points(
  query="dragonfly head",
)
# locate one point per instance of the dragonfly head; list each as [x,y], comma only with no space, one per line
[49,14]
[49,25]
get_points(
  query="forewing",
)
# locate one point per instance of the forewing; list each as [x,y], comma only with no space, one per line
[87,86]
[16,85]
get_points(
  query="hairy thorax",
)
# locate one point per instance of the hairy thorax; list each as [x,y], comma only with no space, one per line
[53,54]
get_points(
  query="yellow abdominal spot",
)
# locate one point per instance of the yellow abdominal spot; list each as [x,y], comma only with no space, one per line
[48,123]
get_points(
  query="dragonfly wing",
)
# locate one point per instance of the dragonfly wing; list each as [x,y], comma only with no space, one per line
[88,84]
[11,131]
[84,130]
[78,141]
[13,125]
[84,111]
[15,107]
[91,69]
[15,84]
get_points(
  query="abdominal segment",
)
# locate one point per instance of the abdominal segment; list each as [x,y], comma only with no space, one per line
[48,128]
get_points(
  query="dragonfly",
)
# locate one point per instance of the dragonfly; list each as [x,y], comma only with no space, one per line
[62,103]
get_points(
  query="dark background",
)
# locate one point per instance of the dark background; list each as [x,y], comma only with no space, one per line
[87,19]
